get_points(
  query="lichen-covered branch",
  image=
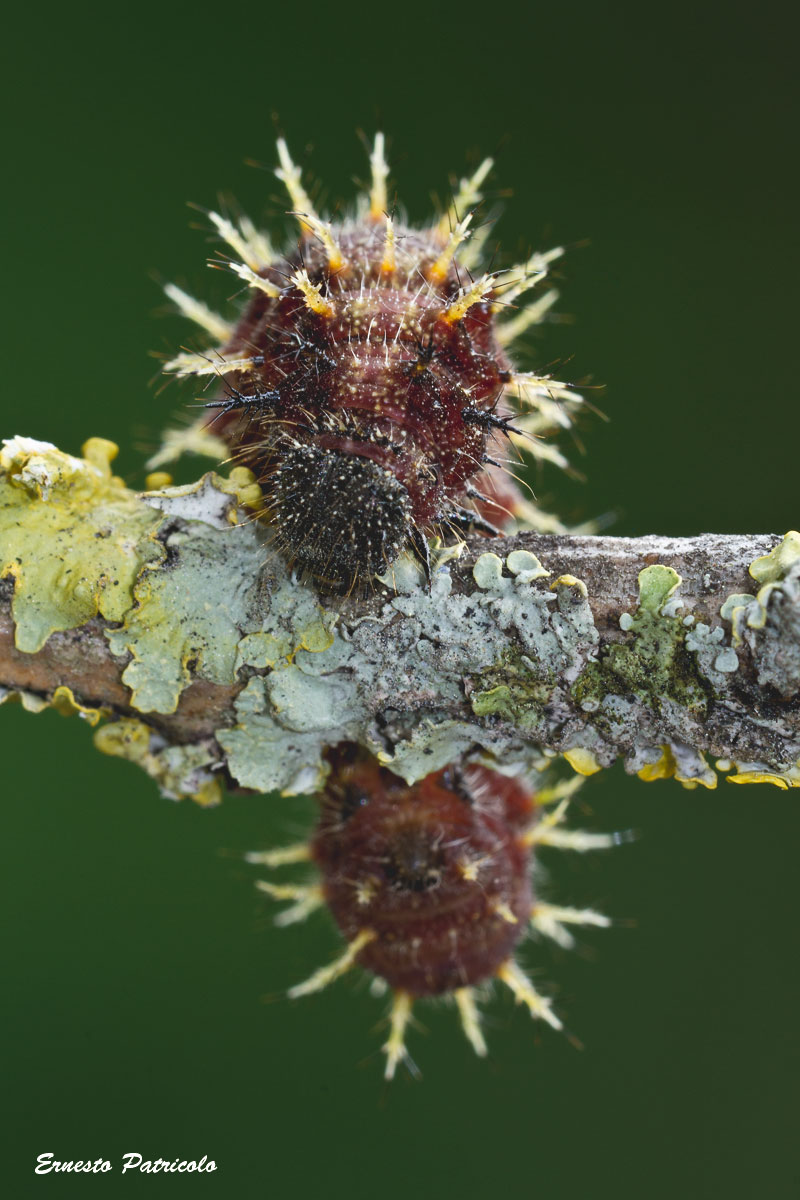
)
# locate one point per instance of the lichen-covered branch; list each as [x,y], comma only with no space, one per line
[167,614]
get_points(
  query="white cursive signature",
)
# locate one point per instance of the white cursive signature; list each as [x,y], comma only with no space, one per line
[130,1162]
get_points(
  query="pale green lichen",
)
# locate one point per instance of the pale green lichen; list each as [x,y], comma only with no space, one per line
[321,697]
[714,658]
[557,636]
[735,604]
[433,743]
[775,566]
[770,621]
[199,613]
[653,662]
[173,569]
[771,571]
[262,754]
[525,566]
[672,666]
[183,623]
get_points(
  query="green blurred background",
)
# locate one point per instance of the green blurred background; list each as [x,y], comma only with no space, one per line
[137,953]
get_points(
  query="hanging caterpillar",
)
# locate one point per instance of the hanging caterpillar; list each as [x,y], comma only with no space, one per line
[367,383]
[432,884]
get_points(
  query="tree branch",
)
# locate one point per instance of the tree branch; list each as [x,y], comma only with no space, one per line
[167,614]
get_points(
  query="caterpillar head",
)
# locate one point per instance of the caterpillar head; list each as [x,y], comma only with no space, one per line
[338,517]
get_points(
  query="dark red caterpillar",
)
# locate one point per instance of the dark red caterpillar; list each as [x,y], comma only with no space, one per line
[431,883]
[367,380]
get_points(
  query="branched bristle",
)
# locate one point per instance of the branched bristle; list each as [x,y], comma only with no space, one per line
[534,518]
[290,176]
[470,1019]
[549,402]
[388,262]
[502,910]
[285,891]
[308,898]
[213,363]
[282,856]
[551,919]
[323,231]
[200,313]
[253,280]
[547,832]
[526,275]
[312,294]
[326,975]
[541,451]
[525,993]
[577,839]
[472,295]
[533,314]
[192,439]
[440,269]
[380,173]
[253,247]
[469,194]
[395,1046]
[559,792]
[471,254]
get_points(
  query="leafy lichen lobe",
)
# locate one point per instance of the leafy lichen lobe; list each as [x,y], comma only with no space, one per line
[653,663]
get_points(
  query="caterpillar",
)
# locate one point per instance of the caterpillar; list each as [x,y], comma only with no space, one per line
[431,884]
[367,382]
[367,379]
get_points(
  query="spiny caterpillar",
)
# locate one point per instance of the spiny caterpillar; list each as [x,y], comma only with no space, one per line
[367,381]
[368,386]
[431,883]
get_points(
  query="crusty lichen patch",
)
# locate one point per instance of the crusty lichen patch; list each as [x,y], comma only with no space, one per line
[653,662]
[557,632]
[509,663]
[347,690]
[178,770]
[682,763]
[769,622]
[183,623]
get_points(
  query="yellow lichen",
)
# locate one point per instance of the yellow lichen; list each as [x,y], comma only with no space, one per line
[569,581]
[156,481]
[178,770]
[776,565]
[582,761]
[760,773]
[73,537]
[669,767]
[63,701]
[241,483]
